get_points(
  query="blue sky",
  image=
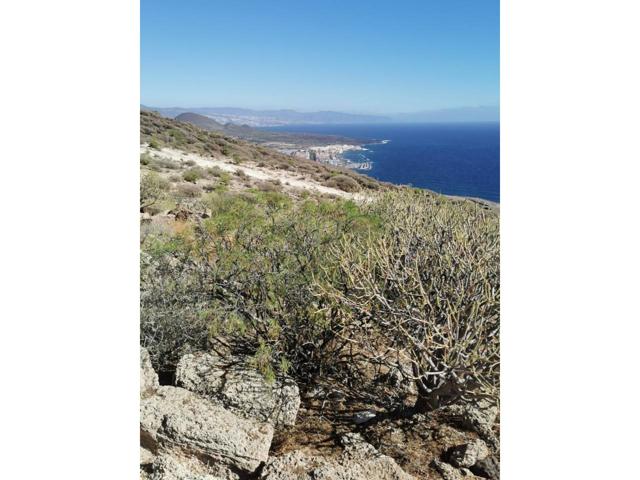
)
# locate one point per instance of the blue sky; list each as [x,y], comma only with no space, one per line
[356,56]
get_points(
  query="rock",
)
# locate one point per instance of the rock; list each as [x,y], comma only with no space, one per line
[146,457]
[449,472]
[487,468]
[479,420]
[148,377]
[236,385]
[169,467]
[177,418]
[363,417]
[359,461]
[465,456]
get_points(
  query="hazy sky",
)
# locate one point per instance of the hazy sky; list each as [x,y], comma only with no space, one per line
[357,56]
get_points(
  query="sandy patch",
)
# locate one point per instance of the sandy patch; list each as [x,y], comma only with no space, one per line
[287,179]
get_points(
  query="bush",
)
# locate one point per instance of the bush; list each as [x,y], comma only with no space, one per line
[269,186]
[165,163]
[189,190]
[192,175]
[152,189]
[426,295]
[214,171]
[251,268]
[343,182]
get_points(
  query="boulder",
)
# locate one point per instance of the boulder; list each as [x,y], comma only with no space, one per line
[180,419]
[480,420]
[148,377]
[233,383]
[465,456]
[170,467]
[449,472]
[359,461]
[487,468]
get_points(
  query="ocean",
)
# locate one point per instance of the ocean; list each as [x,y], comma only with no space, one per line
[453,159]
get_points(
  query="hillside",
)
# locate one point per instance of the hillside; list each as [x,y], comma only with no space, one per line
[251,134]
[302,321]
[159,133]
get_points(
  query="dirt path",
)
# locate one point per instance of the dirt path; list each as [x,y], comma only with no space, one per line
[251,170]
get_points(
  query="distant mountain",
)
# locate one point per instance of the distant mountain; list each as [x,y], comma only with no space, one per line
[252,134]
[463,114]
[269,118]
[200,121]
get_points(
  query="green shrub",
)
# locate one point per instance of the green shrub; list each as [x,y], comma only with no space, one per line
[152,189]
[192,175]
[343,182]
[214,171]
[252,264]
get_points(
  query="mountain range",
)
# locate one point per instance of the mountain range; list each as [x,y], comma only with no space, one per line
[271,118]
[257,135]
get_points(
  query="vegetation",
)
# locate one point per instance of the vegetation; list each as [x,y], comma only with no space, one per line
[152,189]
[331,289]
[343,182]
[425,294]
[193,174]
[404,283]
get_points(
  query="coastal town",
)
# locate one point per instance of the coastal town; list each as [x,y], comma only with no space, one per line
[329,154]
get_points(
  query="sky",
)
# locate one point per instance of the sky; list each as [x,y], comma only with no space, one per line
[351,55]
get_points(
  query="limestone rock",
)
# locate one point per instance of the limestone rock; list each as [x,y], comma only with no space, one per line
[449,472]
[146,457]
[234,384]
[480,420]
[359,461]
[169,467]
[487,468]
[177,418]
[465,456]
[148,377]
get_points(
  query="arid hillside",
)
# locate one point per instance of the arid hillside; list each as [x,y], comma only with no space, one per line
[302,321]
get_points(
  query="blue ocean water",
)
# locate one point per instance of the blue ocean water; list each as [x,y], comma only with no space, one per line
[454,159]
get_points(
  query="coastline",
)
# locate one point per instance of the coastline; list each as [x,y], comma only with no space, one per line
[333,154]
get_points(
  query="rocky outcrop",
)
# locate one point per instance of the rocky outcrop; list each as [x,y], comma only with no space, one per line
[480,420]
[359,461]
[148,377]
[176,467]
[465,456]
[180,419]
[449,472]
[234,384]
[487,468]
